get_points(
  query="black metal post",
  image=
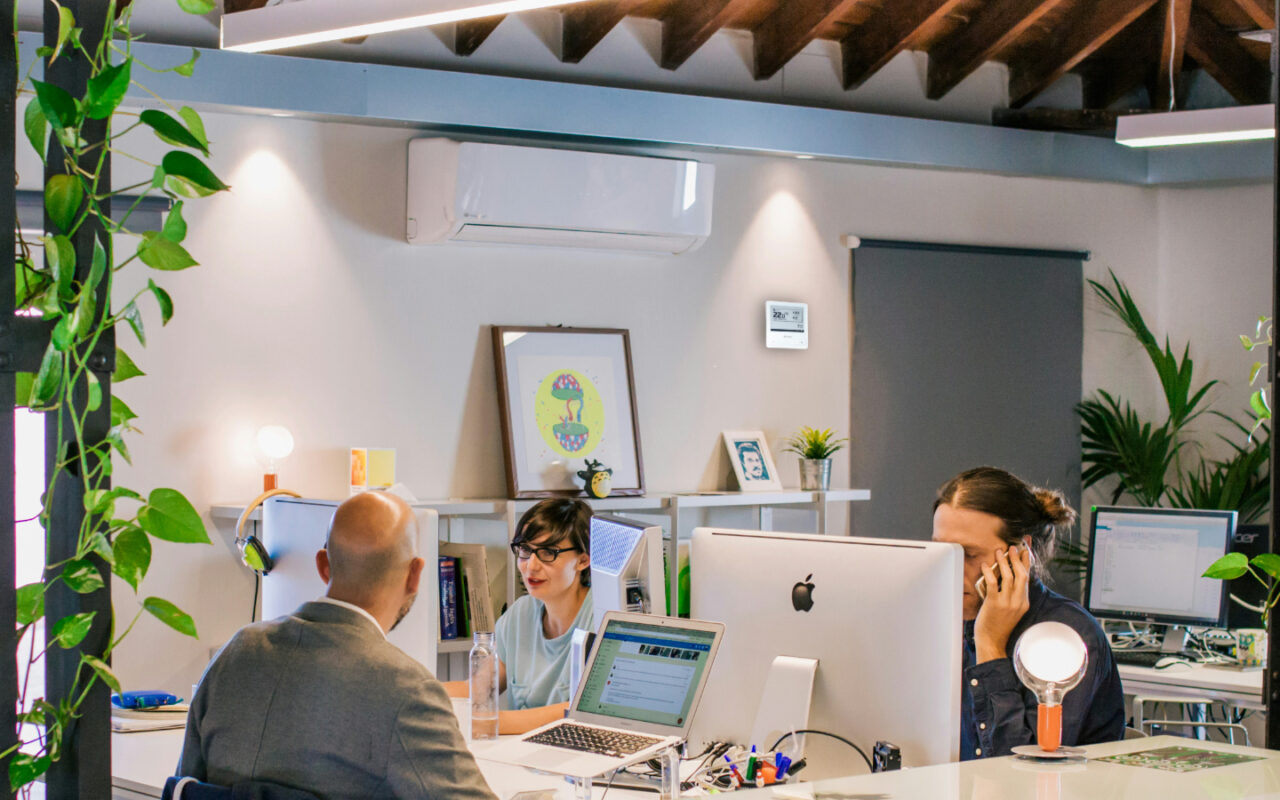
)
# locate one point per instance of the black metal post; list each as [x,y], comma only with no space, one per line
[8,513]
[84,771]
[1271,680]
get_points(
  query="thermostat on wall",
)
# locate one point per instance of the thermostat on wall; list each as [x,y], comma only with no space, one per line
[786,325]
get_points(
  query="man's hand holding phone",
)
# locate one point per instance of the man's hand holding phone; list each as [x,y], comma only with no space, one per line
[1004,586]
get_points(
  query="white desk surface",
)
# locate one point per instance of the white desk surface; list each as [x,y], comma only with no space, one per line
[1241,688]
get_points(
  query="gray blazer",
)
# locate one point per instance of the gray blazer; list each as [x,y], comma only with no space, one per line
[321,701]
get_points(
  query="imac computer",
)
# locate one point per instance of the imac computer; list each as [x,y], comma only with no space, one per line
[1146,565]
[294,529]
[626,567]
[881,617]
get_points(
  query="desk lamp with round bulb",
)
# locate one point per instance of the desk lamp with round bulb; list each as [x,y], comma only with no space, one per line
[275,443]
[1050,659]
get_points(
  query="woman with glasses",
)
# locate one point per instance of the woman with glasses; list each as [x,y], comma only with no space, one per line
[551,547]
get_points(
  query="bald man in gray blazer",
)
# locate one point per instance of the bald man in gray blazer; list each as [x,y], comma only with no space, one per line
[320,700]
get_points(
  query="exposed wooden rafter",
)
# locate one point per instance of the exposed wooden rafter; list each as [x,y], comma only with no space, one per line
[992,29]
[1225,59]
[1099,121]
[1262,12]
[471,33]
[1123,64]
[585,25]
[690,23]
[1175,20]
[234,6]
[875,42]
[1088,26]
[786,31]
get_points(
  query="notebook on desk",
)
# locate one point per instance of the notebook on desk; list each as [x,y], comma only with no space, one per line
[643,682]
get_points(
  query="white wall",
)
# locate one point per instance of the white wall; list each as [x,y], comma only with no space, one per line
[310,310]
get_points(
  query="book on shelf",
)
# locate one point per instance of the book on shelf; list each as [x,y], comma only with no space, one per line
[479,581]
[448,597]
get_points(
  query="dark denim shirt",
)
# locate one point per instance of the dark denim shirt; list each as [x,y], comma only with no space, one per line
[998,713]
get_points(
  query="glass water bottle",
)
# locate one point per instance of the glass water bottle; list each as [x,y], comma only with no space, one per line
[484,687]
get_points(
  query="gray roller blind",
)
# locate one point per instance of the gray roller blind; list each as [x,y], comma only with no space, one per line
[961,357]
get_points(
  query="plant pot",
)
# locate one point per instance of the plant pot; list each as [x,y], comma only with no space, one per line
[815,474]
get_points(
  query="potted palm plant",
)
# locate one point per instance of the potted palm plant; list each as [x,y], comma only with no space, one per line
[815,448]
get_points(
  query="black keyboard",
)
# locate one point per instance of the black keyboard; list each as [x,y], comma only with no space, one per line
[1144,658]
[593,740]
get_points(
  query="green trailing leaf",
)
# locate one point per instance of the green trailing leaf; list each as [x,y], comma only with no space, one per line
[1247,342]
[171,131]
[115,439]
[58,106]
[171,615]
[1268,563]
[95,392]
[82,317]
[170,516]
[1229,567]
[133,315]
[66,26]
[63,195]
[160,253]
[163,300]
[125,368]
[82,576]
[103,671]
[175,227]
[30,603]
[62,335]
[196,6]
[25,768]
[48,382]
[101,545]
[29,283]
[189,177]
[1258,402]
[36,127]
[23,383]
[70,631]
[97,268]
[60,258]
[1253,371]
[106,90]
[121,414]
[132,550]
[190,116]
[188,67]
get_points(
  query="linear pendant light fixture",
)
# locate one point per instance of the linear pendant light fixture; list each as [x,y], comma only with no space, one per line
[305,22]
[1234,124]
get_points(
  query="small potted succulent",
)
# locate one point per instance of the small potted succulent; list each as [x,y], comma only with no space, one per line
[815,449]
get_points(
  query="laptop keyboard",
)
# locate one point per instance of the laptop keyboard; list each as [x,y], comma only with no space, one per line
[593,740]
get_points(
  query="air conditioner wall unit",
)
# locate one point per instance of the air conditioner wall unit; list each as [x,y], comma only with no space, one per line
[477,193]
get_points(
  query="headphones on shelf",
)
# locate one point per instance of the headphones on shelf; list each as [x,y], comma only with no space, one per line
[252,551]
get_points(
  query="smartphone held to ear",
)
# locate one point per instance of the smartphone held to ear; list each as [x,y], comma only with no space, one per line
[980,585]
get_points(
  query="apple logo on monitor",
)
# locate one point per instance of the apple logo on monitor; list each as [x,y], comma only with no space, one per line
[802,594]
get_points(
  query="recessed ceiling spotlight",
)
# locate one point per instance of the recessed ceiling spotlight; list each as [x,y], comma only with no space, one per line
[805,157]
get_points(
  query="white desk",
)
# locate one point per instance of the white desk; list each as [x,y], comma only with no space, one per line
[1010,779]
[1241,689]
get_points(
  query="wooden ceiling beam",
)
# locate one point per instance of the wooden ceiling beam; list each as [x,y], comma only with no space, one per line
[585,25]
[1088,26]
[689,24]
[1225,59]
[993,27]
[235,6]
[1261,12]
[469,34]
[875,42]
[1175,20]
[1099,121]
[785,32]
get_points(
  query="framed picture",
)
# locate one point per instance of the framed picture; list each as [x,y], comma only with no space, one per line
[752,463]
[566,395]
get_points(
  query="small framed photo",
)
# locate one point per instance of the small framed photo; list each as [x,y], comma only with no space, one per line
[752,463]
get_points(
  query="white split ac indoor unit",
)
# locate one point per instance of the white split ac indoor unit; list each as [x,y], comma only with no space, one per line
[471,192]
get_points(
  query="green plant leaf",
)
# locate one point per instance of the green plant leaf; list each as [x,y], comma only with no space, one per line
[100,544]
[44,392]
[175,227]
[36,127]
[158,252]
[70,631]
[1268,563]
[104,672]
[63,195]
[171,615]
[188,67]
[95,392]
[189,115]
[125,368]
[30,603]
[66,25]
[1230,566]
[60,258]
[1246,341]
[133,315]
[120,412]
[163,300]
[81,319]
[115,438]
[106,90]
[1253,371]
[189,176]
[132,550]
[23,383]
[25,768]
[170,516]
[170,131]
[28,284]
[58,105]
[62,335]
[196,6]
[82,576]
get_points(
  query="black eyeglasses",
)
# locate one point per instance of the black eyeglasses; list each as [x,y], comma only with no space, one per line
[546,555]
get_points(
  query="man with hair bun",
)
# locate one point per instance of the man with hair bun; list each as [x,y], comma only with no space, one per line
[1008,530]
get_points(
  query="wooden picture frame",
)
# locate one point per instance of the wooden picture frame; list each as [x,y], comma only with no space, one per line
[566,395]
[752,462]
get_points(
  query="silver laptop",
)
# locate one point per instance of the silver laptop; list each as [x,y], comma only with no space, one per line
[641,686]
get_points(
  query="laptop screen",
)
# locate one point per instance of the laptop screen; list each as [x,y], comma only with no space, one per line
[647,673]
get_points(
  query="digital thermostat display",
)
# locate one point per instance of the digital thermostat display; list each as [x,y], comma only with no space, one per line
[786,324]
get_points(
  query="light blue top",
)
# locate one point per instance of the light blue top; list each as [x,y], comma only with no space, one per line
[537,667]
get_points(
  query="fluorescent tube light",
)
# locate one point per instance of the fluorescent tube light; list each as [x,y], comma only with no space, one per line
[1236,124]
[313,21]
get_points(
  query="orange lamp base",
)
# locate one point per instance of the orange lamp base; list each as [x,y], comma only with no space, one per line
[270,481]
[1049,727]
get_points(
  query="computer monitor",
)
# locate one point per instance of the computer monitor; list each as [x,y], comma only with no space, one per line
[626,567]
[882,618]
[1146,565]
[294,529]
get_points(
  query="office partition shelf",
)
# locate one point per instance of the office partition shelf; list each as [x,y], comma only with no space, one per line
[458,645]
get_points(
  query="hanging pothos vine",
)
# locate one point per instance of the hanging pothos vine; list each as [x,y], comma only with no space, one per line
[119,523]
